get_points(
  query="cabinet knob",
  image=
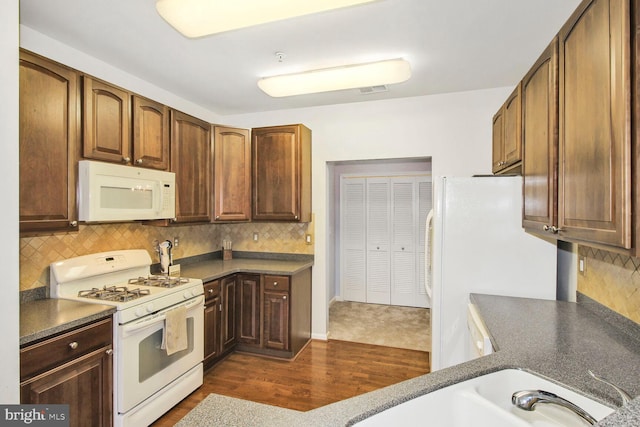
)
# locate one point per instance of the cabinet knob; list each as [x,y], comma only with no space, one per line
[284,297]
[126,159]
[73,223]
[275,283]
[73,345]
[139,161]
[555,230]
[109,352]
[210,291]
[546,227]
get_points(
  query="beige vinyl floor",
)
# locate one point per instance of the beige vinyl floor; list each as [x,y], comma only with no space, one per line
[386,325]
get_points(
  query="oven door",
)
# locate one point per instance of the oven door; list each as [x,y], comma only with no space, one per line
[142,367]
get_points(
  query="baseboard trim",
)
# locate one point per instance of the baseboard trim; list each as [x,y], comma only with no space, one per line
[321,337]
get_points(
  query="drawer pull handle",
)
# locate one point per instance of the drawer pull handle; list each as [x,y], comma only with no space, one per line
[73,345]
[109,352]
[275,283]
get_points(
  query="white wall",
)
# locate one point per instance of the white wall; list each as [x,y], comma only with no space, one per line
[453,129]
[9,259]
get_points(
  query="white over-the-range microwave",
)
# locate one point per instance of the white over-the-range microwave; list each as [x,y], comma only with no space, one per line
[108,192]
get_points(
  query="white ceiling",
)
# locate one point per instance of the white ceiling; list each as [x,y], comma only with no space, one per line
[452,45]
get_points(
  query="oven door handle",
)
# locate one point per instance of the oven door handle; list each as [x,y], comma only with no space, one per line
[159,316]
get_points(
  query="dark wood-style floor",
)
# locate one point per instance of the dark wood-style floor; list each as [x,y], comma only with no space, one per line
[324,372]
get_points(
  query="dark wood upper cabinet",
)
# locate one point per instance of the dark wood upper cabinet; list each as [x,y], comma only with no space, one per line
[191,162]
[594,175]
[540,142]
[106,121]
[231,174]
[507,131]
[49,145]
[281,165]
[150,133]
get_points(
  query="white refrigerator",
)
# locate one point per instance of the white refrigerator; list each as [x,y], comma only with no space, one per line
[477,245]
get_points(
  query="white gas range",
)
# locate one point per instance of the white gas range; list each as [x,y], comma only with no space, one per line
[153,370]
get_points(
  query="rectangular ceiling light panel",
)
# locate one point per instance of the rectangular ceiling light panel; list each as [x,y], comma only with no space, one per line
[338,78]
[196,18]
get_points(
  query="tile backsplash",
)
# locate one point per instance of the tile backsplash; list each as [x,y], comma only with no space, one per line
[36,253]
[612,280]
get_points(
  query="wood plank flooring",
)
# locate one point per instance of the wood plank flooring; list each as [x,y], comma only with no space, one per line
[324,372]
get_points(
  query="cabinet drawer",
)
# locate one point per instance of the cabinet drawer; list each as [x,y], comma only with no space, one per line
[273,283]
[211,289]
[47,354]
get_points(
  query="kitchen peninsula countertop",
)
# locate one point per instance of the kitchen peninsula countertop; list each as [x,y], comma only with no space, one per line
[211,269]
[43,318]
[558,340]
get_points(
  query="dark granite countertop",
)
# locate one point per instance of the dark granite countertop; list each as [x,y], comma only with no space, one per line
[43,318]
[211,269]
[559,340]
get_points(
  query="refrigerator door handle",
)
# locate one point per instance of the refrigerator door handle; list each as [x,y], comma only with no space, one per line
[428,278]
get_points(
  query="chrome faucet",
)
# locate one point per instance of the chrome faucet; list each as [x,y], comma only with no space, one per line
[528,399]
[626,398]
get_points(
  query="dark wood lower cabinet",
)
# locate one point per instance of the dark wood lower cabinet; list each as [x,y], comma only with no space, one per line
[249,312]
[228,288]
[75,369]
[276,320]
[212,321]
[272,315]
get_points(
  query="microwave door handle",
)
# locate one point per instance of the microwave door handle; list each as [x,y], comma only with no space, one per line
[161,188]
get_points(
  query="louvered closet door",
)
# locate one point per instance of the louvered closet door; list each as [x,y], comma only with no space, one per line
[378,241]
[403,234]
[425,203]
[353,253]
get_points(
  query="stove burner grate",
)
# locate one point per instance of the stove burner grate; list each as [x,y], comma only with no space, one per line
[114,293]
[160,281]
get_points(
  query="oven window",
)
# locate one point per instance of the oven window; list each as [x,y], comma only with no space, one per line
[153,359]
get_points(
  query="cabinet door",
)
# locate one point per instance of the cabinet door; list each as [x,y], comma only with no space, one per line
[212,311]
[498,141]
[48,145]
[512,142]
[249,313]
[231,174]
[229,300]
[594,141]
[191,161]
[281,164]
[85,384]
[150,134]
[276,320]
[106,118]
[540,141]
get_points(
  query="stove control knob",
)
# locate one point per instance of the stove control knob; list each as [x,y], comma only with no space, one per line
[149,307]
[187,294]
[139,312]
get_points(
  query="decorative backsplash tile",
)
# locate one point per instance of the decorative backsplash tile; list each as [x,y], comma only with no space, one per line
[612,280]
[36,253]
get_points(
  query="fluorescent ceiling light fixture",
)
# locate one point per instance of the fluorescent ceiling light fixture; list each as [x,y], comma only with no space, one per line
[338,78]
[196,18]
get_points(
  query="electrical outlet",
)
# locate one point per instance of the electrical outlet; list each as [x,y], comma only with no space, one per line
[308,239]
[176,242]
[582,265]
[255,236]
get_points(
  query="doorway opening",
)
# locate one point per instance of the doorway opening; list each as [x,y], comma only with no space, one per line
[377,320]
